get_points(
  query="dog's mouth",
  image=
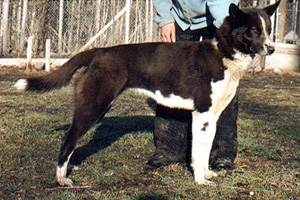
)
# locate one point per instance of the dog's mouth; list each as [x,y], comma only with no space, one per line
[263,51]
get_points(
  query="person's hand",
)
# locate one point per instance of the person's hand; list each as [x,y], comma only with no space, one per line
[168,33]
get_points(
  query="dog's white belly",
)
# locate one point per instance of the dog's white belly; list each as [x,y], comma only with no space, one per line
[171,101]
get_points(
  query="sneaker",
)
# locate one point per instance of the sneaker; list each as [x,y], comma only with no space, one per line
[222,163]
[157,161]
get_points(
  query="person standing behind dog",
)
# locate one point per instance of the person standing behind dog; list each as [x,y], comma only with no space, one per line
[191,20]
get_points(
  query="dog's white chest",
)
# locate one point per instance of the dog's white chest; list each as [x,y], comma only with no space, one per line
[224,90]
[222,93]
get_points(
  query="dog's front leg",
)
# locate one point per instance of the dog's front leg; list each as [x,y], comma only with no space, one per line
[203,131]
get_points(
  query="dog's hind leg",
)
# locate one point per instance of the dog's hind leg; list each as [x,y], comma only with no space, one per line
[203,131]
[92,100]
[82,122]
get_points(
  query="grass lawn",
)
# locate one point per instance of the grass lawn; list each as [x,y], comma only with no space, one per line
[112,156]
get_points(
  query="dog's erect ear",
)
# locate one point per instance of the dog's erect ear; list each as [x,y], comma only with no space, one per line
[236,13]
[271,9]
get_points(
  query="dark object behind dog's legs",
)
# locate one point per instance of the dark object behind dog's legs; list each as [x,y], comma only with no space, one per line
[224,148]
[170,136]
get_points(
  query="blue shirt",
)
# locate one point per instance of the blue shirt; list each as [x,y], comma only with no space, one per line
[193,14]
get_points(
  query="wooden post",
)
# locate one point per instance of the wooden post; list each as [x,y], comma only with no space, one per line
[78,23]
[4,25]
[281,21]
[98,5]
[272,21]
[254,3]
[97,15]
[47,56]
[151,21]
[23,27]
[72,25]
[29,55]
[60,25]
[127,21]
[147,21]
[19,21]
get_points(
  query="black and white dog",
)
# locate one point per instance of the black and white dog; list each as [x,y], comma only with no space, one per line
[201,77]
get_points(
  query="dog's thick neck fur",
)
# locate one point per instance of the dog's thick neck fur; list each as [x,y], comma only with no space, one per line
[224,38]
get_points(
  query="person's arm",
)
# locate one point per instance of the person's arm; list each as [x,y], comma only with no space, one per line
[219,10]
[165,19]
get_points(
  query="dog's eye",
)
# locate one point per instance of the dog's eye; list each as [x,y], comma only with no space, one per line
[254,30]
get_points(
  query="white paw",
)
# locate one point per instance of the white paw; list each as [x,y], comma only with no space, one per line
[210,174]
[73,167]
[62,181]
[21,84]
[204,182]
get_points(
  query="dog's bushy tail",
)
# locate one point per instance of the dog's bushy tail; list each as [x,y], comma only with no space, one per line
[58,78]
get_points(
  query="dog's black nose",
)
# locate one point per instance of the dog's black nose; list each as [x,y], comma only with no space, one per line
[270,49]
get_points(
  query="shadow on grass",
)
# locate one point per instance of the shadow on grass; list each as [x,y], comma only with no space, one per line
[152,196]
[275,126]
[110,130]
[286,117]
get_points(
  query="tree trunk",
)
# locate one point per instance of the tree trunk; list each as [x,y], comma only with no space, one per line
[4,27]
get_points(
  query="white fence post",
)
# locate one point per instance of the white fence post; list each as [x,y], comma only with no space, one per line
[127,21]
[60,28]
[47,56]
[151,21]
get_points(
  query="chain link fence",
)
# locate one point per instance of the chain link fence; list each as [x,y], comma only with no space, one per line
[81,20]
[292,25]
[70,24]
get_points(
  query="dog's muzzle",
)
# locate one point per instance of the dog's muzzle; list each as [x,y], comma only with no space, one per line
[265,50]
[270,49]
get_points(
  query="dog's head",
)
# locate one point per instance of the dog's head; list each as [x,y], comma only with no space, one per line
[251,29]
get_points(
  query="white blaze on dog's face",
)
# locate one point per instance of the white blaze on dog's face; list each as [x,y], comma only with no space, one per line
[267,27]
[268,46]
